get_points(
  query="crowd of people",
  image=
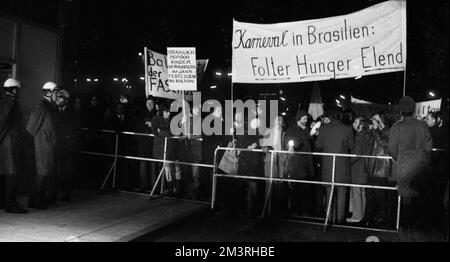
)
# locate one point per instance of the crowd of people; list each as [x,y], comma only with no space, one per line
[418,168]
[151,119]
[55,124]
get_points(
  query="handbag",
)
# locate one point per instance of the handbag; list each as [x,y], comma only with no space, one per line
[229,161]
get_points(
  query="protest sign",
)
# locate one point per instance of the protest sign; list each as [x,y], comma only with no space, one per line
[157,83]
[181,64]
[423,108]
[370,41]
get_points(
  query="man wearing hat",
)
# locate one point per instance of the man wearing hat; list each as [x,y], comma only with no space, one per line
[410,146]
[68,146]
[10,129]
[42,127]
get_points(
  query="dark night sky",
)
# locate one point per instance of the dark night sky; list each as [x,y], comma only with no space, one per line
[111,33]
[121,29]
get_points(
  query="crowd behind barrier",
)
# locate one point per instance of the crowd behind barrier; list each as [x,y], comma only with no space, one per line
[269,180]
[296,162]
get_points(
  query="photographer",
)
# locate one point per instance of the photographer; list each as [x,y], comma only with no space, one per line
[68,146]
[363,143]
[380,203]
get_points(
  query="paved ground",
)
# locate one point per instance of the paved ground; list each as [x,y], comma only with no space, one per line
[95,217]
[219,227]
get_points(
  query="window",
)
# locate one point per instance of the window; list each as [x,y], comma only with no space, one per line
[6,71]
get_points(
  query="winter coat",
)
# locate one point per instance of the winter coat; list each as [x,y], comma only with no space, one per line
[42,127]
[376,167]
[9,135]
[93,118]
[161,128]
[298,166]
[114,123]
[335,137]
[249,163]
[69,132]
[144,144]
[363,145]
[192,144]
[410,144]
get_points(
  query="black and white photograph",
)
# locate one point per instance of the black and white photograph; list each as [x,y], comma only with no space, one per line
[224,128]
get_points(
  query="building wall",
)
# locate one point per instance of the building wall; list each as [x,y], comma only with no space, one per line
[33,52]
[7,39]
[37,62]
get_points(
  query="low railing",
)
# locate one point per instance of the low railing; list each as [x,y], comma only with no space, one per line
[271,179]
[160,179]
[116,156]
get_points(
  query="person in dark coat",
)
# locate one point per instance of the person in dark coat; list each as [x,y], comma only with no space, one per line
[410,145]
[249,163]
[93,117]
[94,141]
[211,142]
[121,121]
[272,140]
[68,145]
[161,127]
[42,127]
[10,130]
[193,145]
[335,137]
[297,139]
[437,170]
[363,144]
[143,125]
[380,207]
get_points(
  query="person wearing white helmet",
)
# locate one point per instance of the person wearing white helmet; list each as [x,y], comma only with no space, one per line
[10,126]
[11,87]
[50,91]
[42,127]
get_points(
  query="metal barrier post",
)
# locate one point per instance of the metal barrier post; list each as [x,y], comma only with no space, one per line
[156,182]
[397,226]
[115,160]
[163,171]
[107,176]
[271,180]
[268,191]
[214,182]
[331,194]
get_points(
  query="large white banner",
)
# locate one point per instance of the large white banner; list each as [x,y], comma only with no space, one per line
[156,77]
[182,68]
[370,41]
[423,108]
